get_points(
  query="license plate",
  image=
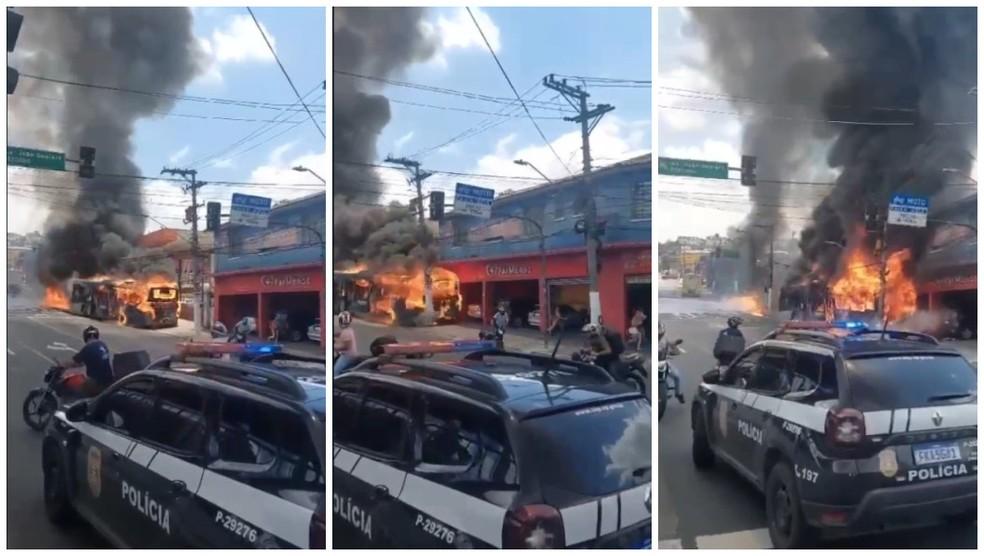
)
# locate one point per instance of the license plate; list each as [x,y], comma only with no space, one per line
[935,453]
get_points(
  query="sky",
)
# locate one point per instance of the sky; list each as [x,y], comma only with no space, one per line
[240,66]
[685,133]
[530,43]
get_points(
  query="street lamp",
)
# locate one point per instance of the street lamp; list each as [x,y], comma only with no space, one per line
[960,173]
[312,172]
[522,162]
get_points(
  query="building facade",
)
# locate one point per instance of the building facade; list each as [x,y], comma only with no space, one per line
[499,259]
[260,271]
[947,276]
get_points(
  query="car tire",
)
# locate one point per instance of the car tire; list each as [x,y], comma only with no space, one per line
[701,451]
[784,512]
[639,385]
[57,506]
[662,393]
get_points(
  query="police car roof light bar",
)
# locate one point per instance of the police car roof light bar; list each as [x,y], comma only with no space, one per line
[420,348]
[250,374]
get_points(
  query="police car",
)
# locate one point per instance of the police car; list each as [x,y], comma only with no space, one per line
[846,430]
[493,450]
[200,450]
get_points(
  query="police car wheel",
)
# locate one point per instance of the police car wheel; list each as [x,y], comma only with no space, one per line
[701,451]
[56,504]
[787,526]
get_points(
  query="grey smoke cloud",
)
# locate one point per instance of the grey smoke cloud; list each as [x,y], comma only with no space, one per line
[93,227]
[847,64]
[377,42]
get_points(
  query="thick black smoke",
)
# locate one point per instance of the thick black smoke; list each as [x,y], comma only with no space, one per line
[376,42]
[910,66]
[95,222]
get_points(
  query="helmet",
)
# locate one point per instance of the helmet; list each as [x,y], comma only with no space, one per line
[662,330]
[344,319]
[735,322]
[591,328]
[90,332]
[376,347]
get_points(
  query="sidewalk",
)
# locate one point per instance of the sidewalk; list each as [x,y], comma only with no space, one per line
[184,331]
[519,341]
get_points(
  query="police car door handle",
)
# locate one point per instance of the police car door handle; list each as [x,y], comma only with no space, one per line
[380,492]
[116,456]
[178,487]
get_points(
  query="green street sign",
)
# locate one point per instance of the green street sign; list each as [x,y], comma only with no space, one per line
[693,168]
[33,158]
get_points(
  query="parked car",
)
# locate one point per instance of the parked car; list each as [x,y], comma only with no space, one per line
[475,311]
[314,331]
[533,319]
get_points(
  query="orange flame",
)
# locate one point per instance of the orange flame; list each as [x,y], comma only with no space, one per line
[409,287]
[857,287]
[352,269]
[750,304]
[55,298]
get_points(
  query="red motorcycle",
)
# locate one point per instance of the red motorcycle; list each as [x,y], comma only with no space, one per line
[41,403]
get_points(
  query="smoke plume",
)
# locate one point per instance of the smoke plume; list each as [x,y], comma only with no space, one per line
[809,68]
[94,222]
[375,42]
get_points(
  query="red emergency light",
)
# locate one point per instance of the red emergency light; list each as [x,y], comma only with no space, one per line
[421,348]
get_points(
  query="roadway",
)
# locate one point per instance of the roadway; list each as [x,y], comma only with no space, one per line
[718,509]
[34,337]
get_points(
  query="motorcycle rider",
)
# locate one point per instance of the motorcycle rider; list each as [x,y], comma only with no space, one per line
[241,330]
[665,350]
[730,342]
[605,345]
[345,343]
[96,359]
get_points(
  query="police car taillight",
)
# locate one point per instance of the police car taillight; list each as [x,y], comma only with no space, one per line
[533,526]
[316,530]
[845,426]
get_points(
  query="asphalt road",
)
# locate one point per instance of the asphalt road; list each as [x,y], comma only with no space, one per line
[718,509]
[34,336]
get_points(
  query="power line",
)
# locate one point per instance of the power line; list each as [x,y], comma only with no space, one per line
[814,120]
[316,186]
[515,92]
[456,109]
[606,79]
[284,70]
[159,94]
[691,93]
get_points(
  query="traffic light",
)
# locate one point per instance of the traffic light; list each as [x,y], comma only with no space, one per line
[87,155]
[14,21]
[436,205]
[212,212]
[748,170]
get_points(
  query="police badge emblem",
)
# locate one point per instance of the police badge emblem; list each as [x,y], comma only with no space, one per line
[888,464]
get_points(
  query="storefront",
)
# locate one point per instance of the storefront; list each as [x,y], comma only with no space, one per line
[298,290]
[624,278]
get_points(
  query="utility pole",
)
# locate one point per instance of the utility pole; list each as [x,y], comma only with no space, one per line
[191,176]
[578,98]
[883,274]
[417,180]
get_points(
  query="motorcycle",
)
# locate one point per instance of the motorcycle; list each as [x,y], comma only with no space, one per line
[498,336]
[630,368]
[663,371]
[41,403]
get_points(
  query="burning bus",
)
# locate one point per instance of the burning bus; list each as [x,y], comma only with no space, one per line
[397,296]
[149,303]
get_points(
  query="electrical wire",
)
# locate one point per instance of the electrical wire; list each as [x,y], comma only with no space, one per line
[284,70]
[814,120]
[515,92]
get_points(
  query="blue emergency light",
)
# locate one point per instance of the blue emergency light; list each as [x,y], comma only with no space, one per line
[262,348]
[850,324]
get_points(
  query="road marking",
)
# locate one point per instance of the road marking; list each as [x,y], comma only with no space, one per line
[59,346]
[672,544]
[752,538]
[681,350]
[10,352]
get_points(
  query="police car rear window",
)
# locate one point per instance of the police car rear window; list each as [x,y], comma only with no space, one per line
[915,380]
[591,451]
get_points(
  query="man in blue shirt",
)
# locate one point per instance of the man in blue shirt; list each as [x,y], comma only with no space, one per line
[97,360]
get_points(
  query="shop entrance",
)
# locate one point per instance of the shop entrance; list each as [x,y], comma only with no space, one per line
[302,310]
[570,297]
[232,308]
[964,303]
[521,296]
[471,302]
[639,295]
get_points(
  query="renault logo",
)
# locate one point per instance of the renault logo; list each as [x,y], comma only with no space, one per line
[649,498]
[937,418]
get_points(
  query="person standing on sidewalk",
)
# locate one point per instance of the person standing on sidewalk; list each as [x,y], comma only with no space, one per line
[499,322]
[344,343]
